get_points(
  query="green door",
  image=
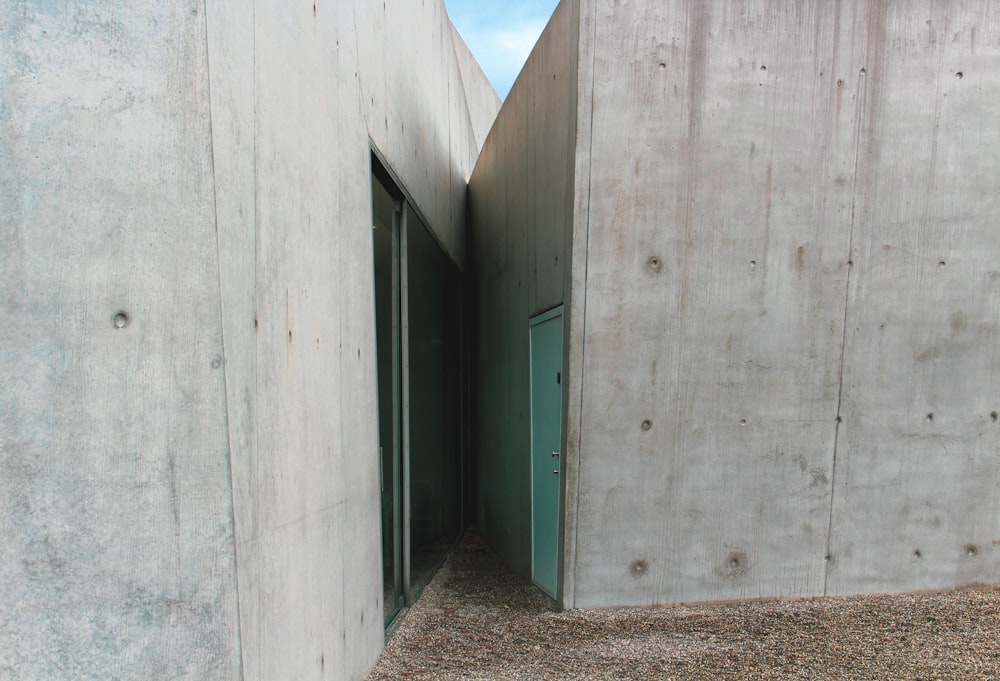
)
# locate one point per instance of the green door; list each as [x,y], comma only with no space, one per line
[546,332]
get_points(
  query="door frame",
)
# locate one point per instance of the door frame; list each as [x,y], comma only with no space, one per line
[394,366]
[406,217]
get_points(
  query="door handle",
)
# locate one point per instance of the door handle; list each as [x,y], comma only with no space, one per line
[555,455]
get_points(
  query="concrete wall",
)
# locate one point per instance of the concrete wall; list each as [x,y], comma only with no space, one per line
[790,267]
[115,504]
[482,99]
[521,202]
[191,491]
[782,299]
[917,486]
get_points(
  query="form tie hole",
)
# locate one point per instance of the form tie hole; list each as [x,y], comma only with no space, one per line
[120,320]
[736,563]
[646,425]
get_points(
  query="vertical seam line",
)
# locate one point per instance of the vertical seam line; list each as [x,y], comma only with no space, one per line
[583,307]
[222,334]
[862,102]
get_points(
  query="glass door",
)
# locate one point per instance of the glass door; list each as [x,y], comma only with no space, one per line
[418,319]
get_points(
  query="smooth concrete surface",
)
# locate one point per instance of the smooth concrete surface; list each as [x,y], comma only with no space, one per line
[483,102]
[777,171]
[521,199]
[917,496]
[573,334]
[192,492]
[782,301]
[826,163]
[117,559]
[715,280]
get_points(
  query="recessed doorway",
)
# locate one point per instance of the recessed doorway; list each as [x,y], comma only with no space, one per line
[418,332]
[546,346]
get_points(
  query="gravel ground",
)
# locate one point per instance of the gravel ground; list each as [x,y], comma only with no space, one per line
[479,621]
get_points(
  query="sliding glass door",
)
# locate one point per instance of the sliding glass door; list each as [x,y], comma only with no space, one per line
[418,309]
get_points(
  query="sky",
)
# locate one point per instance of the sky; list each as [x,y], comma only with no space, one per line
[500,33]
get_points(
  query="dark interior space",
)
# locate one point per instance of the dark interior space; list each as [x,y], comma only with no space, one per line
[424,385]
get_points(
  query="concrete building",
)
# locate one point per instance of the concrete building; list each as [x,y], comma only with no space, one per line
[716,318]
[189,478]
[772,232]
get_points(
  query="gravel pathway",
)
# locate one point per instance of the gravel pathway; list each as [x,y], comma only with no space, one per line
[479,621]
